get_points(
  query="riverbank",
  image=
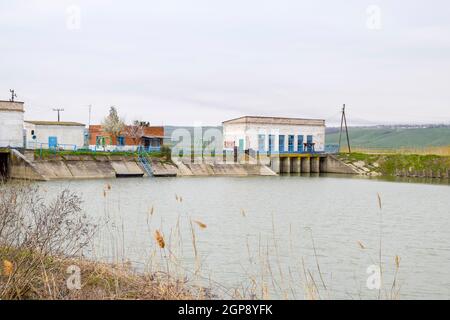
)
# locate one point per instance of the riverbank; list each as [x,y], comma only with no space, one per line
[402,165]
[62,278]
[42,254]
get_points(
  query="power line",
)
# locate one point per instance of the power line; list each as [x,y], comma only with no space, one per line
[344,122]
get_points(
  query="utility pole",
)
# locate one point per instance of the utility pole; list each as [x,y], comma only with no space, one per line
[13,95]
[58,110]
[88,135]
[90,109]
[344,122]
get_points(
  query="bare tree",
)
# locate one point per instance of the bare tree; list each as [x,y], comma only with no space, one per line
[136,130]
[113,124]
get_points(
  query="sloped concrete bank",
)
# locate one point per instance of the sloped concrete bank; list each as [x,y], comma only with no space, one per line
[55,167]
[223,169]
[82,167]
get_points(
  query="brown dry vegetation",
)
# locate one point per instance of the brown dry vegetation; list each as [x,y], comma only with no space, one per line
[41,245]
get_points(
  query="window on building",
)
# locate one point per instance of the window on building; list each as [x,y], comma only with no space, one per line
[261,142]
[271,142]
[300,143]
[291,143]
[281,143]
[121,141]
[309,141]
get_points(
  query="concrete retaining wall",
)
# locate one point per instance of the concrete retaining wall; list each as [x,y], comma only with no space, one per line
[22,168]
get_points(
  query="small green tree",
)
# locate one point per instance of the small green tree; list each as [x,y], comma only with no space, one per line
[113,124]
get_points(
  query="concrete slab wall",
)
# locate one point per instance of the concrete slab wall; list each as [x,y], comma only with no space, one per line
[315,165]
[22,168]
[305,165]
[333,165]
[295,165]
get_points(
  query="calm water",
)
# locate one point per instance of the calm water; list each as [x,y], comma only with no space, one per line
[254,220]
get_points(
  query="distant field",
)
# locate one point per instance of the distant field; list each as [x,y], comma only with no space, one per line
[393,138]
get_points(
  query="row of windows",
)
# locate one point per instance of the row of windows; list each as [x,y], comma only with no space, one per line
[104,140]
[302,144]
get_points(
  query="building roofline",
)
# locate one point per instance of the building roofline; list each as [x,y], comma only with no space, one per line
[275,118]
[12,101]
[55,123]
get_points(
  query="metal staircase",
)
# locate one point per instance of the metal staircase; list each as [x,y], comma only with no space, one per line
[145,164]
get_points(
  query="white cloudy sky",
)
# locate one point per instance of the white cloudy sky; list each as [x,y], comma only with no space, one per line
[191,61]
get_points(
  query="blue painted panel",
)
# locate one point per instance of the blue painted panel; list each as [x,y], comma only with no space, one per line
[291,143]
[241,145]
[309,140]
[271,142]
[300,143]
[281,143]
[52,142]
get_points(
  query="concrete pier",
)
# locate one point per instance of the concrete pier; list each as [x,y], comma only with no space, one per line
[306,165]
[285,165]
[295,165]
[315,165]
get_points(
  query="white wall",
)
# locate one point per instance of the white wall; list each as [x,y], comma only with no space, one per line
[67,135]
[11,129]
[250,132]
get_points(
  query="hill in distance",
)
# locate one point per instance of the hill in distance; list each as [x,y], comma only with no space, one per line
[394,136]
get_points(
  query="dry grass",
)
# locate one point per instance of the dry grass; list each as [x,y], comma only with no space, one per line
[439,151]
[41,243]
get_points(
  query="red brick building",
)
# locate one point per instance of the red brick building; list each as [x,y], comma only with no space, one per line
[150,137]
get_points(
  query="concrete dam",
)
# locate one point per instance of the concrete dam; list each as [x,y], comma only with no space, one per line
[23,164]
[308,163]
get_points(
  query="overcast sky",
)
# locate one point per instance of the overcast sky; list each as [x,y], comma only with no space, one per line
[206,61]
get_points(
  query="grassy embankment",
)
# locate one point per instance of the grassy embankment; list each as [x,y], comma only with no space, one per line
[48,154]
[391,164]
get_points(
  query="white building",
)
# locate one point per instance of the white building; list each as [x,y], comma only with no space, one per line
[11,124]
[53,134]
[274,134]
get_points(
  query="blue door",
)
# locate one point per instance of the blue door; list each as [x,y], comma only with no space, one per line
[52,142]
[309,141]
[261,142]
[281,144]
[271,142]
[291,144]
[300,143]
[241,145]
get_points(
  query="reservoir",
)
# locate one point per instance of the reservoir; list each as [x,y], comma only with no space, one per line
[277,235]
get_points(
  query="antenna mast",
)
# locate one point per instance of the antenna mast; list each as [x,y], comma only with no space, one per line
[13,95]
